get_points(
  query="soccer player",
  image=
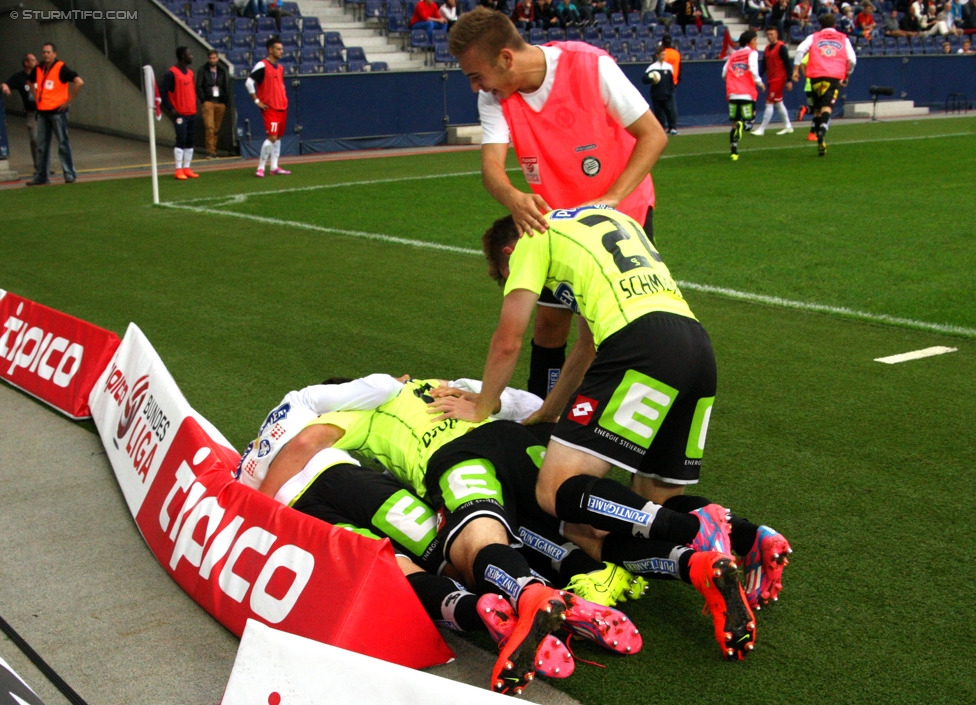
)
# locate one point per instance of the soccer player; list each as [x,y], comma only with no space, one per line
[266,84]
[568,110]
[831,63]
[742,86]
[479,475]
[643,404]
[777,68]
[179,100]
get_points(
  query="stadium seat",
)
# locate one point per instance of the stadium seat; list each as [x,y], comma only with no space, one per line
[200,9]
[223,9]
[600,19]
[557,34]
[245,25]
[260,40]
[267,24]
[420,40]
[219,41]
[692,31]
[240,59]
[591,34]
[309,23]
[379,66]
[311,54]
[902,46]
[310,67]
[333,66]
[290,24]
[311,37]
[634,18]
[375,10]
[355,54]
[333,40]
[200,25]
[223,25]
[617,19]
[708,30]
[627,33]
[442,55]
[333,54]
[439,35]
[356,66]
[649,18]
[291,42]
[242,41]
[292,8]
[537,35]
[397,24]
[574,34]
[608,34]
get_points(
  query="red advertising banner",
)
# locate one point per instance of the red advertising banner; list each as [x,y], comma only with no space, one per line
[238,553]
[50,355]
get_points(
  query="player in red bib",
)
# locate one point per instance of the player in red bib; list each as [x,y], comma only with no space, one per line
[742,86]
[777,68]
[829,67]
[266,84]
[179,98]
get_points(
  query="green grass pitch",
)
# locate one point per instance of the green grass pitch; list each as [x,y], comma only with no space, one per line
[803,270]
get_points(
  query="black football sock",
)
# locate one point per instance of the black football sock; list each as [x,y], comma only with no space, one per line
[686,503]
[446,603]
[499,568]
[609,506]
[648,557]
[544,367]
[743,534]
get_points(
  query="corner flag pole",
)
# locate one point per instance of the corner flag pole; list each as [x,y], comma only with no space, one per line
[153,109]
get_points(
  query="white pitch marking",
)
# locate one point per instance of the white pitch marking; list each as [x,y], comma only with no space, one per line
[915,355]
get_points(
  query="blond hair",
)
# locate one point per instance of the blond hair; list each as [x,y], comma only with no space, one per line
[489,30]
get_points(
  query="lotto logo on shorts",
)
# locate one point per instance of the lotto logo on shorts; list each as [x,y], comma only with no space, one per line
[583,410]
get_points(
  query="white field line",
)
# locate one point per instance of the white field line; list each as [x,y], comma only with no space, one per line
[705,288]
[915,355]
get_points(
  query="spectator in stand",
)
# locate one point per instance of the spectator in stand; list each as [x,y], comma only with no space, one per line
[755,12]
[21,83]
[178,91]
[864,23]
[55,86]
[890,25]
[586,9]
[500,5]
[660,75]
[523,16]
[449,11]
[567,12]
[946,21]
[427,16]
[777,16]
[689,12]
[968,11]
[546,15]
[213,91]
[908,24]
[845,23]
[802,13]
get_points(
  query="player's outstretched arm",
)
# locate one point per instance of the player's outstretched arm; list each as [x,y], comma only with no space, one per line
[528,209]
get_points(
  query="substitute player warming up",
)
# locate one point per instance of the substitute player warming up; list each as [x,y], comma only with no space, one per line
[266,84]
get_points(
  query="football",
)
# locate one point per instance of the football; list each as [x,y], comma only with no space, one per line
[655,76]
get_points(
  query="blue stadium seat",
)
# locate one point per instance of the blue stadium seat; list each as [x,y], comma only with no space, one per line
[692,31]
[537,35]
[617,19]
[245,25]
[267,24]
[634,18]
[375,10]
[591,34]
[291,42]
[397,24]
[708,30]
[356,66]
[379,66]
[219,41]
[311,23]
[310,67]
[223,25]
[200,25]
[223,9]
[200,9]
[442,55]
[557,34]
[292,8]
[574,34]
[332,54]
[290,24]
[311,37]
[608,34]
[240,58]
[649,18]
[356,54]
[333,66]
[242,41]
[333,40]
[311,55]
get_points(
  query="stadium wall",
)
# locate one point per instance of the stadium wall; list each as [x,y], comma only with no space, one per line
[338,112]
